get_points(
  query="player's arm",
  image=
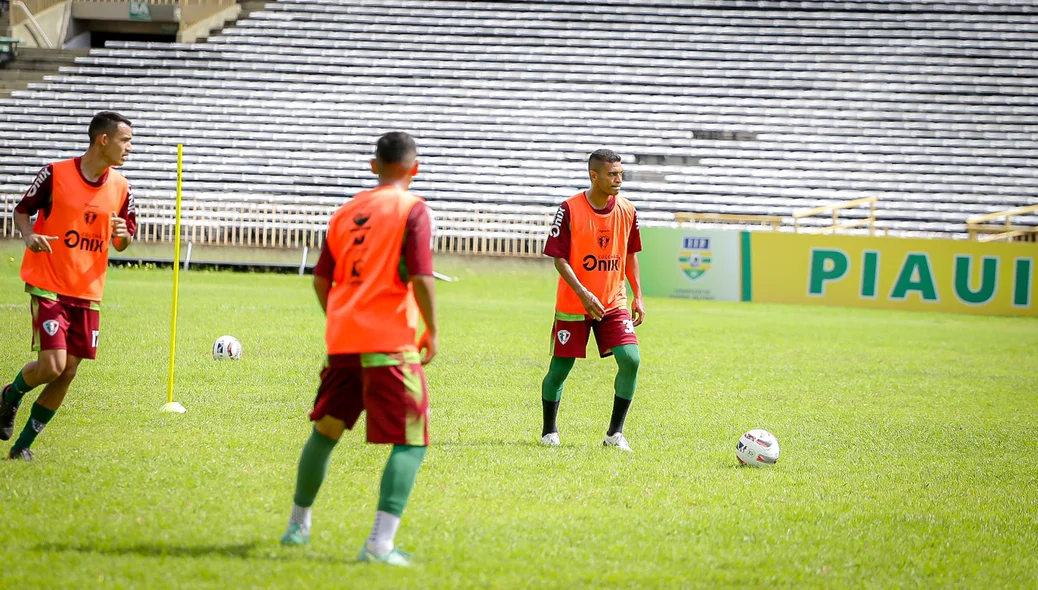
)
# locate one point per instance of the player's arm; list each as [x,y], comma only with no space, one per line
[634,278]
[324,271]
[633,273]
[592,305]
[425,296]
[124,225]
[37,198]
[418,258]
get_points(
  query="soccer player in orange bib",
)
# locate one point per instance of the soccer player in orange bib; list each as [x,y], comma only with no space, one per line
[83,204]
[373,279]
[594,238]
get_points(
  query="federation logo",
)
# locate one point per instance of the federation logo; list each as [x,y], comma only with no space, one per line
[603,241]
[694,258]
[90,217]
[50,327]
[563,337]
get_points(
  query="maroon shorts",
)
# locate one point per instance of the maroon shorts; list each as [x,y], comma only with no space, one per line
[60,326]
[569,336]
[390,387]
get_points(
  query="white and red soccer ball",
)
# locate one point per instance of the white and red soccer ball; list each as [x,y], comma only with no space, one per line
[757,448]
[227,348]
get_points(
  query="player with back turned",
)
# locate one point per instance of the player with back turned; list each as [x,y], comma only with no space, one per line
[374,279]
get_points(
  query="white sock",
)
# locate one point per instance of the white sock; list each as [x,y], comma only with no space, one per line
[301,517]
[383,532]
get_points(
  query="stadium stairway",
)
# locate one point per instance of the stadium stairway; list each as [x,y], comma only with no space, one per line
[32,64]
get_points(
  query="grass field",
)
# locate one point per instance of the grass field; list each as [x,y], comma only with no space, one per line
[907,448]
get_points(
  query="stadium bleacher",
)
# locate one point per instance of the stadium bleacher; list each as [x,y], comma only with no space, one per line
[718,106]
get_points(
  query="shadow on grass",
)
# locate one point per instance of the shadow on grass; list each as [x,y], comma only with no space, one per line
[253,550]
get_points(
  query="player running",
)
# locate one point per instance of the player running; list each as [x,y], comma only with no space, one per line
[593,239]
[83,204]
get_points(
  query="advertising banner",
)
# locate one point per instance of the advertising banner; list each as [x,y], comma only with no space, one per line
[893,273]
[690,263]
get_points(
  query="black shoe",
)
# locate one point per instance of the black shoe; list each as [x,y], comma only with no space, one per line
[20,454]
[7,413]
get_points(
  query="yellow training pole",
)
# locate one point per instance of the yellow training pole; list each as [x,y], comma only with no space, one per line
[172,406]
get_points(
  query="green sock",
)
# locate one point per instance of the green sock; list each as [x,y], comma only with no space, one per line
[398,478]
[39,416]
[313,466]
[18,389]
[558,370]
[628,357]
[551,392]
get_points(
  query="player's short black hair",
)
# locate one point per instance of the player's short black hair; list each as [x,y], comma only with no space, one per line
[105,122]
[602,156]
[395,147]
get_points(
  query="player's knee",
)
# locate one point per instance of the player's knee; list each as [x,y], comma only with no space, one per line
[69,373]
[628,358]
[50,368]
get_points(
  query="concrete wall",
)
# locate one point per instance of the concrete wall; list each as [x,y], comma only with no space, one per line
[191,31]
[120,11]
[69,22]
[54,21]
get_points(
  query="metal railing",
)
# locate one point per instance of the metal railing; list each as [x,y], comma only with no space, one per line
[869,221]
[277,225]
[981,230]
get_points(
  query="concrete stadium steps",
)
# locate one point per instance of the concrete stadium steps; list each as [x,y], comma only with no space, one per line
[745,106]
[33,64]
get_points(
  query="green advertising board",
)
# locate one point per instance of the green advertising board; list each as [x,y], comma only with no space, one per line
[687,263]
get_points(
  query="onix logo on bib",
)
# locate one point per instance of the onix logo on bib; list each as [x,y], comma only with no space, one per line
[592,262]
[73,240]
[556,223]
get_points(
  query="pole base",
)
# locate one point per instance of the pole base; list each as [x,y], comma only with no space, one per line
[174,408]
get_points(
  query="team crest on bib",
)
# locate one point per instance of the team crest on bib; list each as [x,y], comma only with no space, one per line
[563,336]
[50,327]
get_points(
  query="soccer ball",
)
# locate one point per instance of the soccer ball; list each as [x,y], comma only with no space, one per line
[227,347]
[757,448]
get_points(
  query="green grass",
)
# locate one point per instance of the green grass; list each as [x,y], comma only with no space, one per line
[907,448]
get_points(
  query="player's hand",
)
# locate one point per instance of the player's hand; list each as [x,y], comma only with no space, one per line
[638,311]
[592,305]
[119,229]
[429,345]
[39,243]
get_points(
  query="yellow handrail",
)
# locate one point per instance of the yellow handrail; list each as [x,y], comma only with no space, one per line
[773,220]
[983,232]
[1028,235]
[1007,214]
[835,210]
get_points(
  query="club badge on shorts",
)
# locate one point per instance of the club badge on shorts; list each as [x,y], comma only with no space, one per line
[563,336]
[51,327]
